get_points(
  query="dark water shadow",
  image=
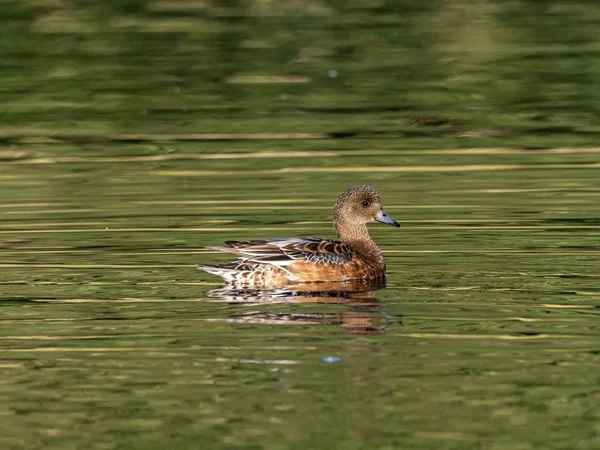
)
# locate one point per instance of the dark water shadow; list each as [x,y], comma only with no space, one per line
[361,315]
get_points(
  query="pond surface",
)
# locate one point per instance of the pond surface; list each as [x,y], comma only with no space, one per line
[487,331]
[114,176]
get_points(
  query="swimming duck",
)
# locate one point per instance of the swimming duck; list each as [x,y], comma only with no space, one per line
[270,263]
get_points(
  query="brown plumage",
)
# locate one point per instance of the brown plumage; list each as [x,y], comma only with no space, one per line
[275,263]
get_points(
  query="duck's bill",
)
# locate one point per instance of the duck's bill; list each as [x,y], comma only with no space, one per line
[383,217]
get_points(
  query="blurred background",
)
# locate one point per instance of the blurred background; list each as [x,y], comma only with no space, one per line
[134,133]
[410,74]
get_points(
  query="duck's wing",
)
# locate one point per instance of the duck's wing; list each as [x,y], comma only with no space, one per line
[282,252]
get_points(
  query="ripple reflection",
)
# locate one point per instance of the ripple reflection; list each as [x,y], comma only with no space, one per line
[362,314]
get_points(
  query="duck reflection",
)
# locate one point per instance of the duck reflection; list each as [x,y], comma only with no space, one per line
[361,314]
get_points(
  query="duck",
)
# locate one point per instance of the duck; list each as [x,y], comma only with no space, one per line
[276,263]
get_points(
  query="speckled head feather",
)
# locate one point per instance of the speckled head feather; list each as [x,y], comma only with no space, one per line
[358,205]
[272,263]
[355,208]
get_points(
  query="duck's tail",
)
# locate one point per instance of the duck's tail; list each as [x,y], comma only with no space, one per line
[228,274]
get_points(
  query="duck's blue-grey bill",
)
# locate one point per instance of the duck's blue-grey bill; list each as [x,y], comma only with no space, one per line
[383,217]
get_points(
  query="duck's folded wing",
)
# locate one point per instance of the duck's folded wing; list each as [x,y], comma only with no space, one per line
[283,252]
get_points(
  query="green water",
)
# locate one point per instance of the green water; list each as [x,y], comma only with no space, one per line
[134,134]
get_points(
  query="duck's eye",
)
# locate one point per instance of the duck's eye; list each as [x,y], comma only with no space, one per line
[365,203]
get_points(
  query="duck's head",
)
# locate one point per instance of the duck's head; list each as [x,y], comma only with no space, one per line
[360,205]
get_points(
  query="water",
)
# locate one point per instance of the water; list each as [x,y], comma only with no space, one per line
[487,332]
[112,182]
